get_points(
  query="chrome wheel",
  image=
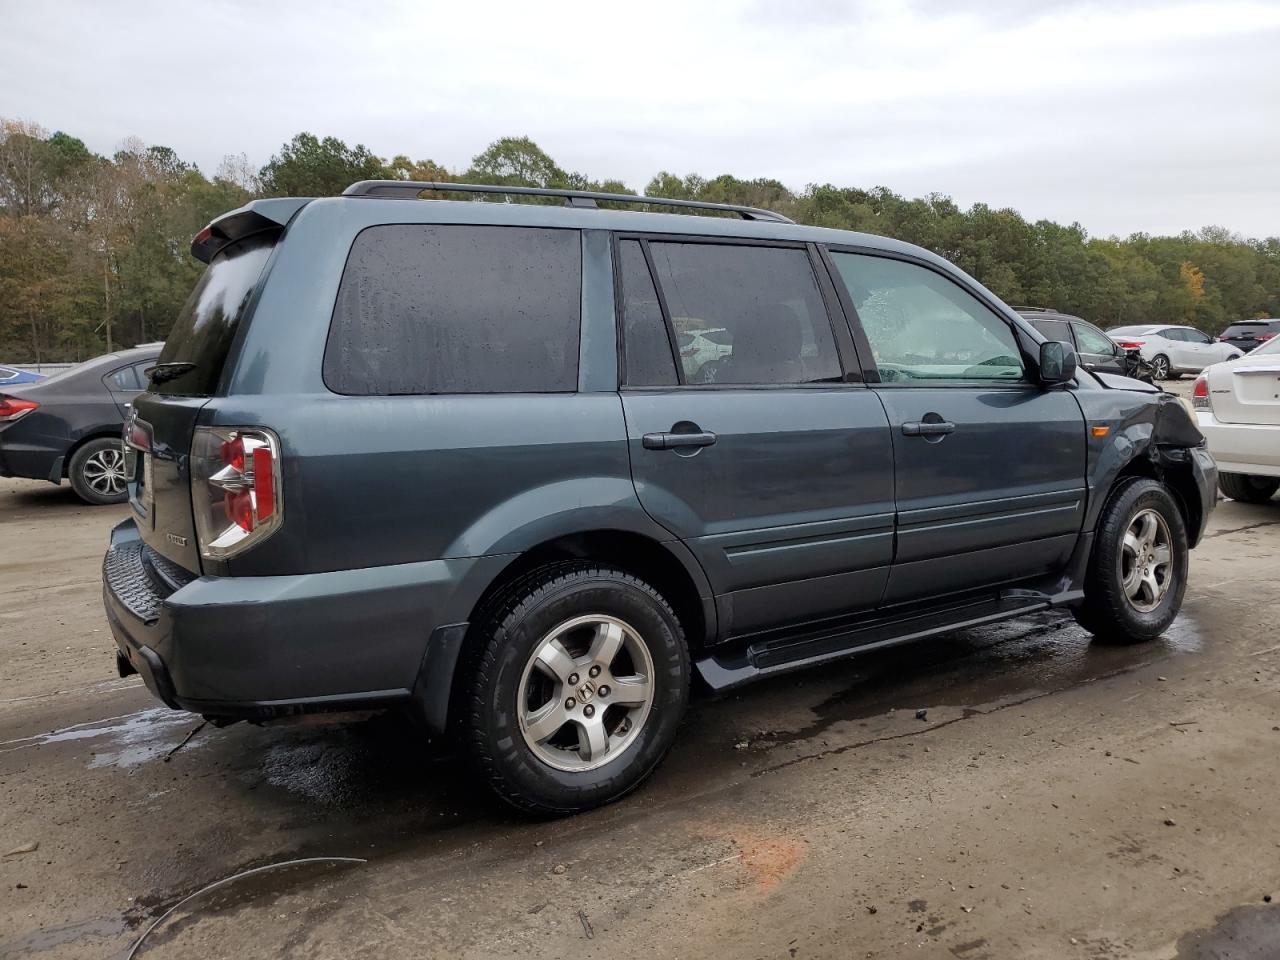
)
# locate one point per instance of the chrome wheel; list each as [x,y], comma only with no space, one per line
[585,693]
[1146,560]
[104,472]
[1160,368]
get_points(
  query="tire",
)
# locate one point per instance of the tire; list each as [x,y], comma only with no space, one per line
[96,472]
[530,664]
[1160,369]
[1111,610]
[1247,488]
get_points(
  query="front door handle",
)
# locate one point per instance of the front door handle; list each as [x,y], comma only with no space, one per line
[926,428]
[674,441]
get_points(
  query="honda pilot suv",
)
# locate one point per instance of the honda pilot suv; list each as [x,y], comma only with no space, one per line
[450,458]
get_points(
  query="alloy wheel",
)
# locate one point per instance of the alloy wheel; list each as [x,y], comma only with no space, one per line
[586,692]
[1160,368]
[104,472]
[1146,560]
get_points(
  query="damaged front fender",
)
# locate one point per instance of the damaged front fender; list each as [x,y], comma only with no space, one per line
[1149,434]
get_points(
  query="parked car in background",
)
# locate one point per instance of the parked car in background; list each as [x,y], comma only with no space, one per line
[68,426]
[12,376]
[446,458]
[1174,350]
[702,346]
[1238,409]
[1097,352]
[1248,335]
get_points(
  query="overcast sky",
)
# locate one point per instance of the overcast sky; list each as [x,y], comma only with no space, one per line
[1152,115]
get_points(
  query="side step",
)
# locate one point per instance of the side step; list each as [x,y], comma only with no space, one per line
[726,670]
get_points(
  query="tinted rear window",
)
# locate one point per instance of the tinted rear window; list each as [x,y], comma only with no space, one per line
[204,329]
[1252,329]
[430,308]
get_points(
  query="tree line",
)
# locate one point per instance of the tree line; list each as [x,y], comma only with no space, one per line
[94,250]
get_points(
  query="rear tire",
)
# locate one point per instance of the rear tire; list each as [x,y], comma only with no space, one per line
[96,472]
[1247,488]
[1160,369]
[1138,571]
[574,686]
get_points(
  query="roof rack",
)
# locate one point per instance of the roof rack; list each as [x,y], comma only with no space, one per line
[409,190]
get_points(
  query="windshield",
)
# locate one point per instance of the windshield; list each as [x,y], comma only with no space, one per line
[1271,346]
[202,334]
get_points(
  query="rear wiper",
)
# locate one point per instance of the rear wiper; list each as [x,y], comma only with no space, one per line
[162,372]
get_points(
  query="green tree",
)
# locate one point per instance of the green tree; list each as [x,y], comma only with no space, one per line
[307,166]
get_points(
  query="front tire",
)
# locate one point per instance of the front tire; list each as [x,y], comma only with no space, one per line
[1138,571]
[96,472]
[1247,488]
[576,682]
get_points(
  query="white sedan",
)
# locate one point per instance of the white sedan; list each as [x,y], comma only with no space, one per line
[1173,350]
[1238,409]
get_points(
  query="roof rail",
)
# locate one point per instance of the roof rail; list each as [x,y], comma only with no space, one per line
[409,190]
[1026,309]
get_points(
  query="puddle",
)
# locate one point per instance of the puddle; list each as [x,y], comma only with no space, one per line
[46,938]
[979,669]
[128,740]
[1245,933]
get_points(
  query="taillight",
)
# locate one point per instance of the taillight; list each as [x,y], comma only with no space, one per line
[1260,337]
[235,488]
[1200,393]
[11,408]
[1131,344]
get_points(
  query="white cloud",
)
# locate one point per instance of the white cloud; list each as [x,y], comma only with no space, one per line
[1139,116]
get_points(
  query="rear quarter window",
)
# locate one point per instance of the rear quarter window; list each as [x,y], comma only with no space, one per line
[447,308]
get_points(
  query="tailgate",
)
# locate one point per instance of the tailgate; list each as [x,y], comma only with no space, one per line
[1246,391]
[161,494]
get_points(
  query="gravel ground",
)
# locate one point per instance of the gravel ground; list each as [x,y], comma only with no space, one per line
[1058,799]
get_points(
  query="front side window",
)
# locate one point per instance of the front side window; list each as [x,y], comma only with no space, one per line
[922,326]
[452,308]
[745,315]
[1092,341]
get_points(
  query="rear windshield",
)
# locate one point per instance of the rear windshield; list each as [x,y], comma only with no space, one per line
[1249,329]
[1129,330]
[204,328]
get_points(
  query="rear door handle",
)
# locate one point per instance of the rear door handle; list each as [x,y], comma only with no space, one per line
[673,441]
[925,429]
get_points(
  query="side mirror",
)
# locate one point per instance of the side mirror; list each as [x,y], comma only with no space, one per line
[1057,362]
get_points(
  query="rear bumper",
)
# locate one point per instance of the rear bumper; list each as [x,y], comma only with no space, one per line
[1249,448]
[31,461]
[266,647]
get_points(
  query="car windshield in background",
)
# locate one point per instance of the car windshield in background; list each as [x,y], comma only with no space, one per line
[1271,346]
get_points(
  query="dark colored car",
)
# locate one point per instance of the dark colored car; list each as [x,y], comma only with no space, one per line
[1097,352]
[12,377]
[1249,334]
[449,458]
[68,426]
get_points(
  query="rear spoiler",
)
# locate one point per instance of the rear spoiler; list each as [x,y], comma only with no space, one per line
[257,216]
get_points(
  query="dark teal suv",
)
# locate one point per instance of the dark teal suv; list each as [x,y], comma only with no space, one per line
[526,470]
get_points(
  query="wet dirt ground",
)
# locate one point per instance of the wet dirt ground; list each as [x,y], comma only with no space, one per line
[1058,799]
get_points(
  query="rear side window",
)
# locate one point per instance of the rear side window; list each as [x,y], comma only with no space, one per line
[126,378]
[646,344]
[745,315]
[1053,329]
[431,308]
[203,331]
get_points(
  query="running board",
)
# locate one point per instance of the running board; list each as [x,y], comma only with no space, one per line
[729,669]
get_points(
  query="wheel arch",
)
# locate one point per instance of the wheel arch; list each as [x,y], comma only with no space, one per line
[98,433]
[666,565]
